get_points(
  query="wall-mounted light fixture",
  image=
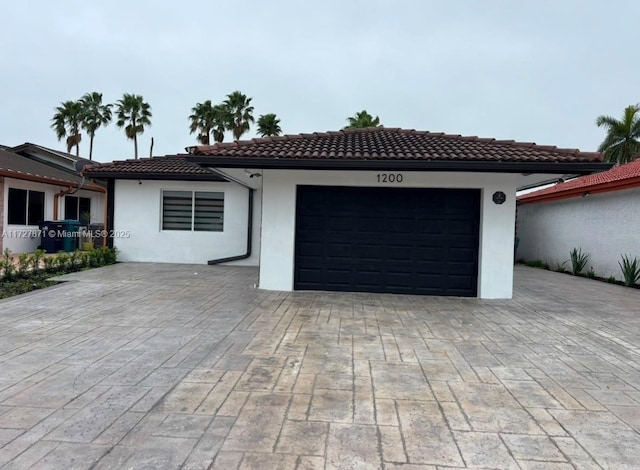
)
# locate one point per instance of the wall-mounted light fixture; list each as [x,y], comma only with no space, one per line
[586,194]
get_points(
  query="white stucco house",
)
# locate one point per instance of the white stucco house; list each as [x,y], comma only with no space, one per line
[598,213]
[38,184]
[368,210]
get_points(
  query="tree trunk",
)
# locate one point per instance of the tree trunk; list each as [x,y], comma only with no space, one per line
[91,147]
[135,137]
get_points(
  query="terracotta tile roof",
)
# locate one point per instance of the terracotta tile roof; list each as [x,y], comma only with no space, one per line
[167,165]
[617,178]
[381,143]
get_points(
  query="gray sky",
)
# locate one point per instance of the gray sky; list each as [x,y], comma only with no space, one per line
[528,70]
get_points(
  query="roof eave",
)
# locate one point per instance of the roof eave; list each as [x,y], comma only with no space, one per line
[155,176]
[52,181]
[579,168]
[629,183]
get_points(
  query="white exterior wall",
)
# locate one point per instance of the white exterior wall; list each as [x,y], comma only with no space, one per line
[138,213]
[495,277]
[605,225]
[24,239]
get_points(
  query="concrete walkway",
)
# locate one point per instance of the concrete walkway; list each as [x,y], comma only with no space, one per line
[163,366]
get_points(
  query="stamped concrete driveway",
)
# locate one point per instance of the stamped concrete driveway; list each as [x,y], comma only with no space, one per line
[160,366]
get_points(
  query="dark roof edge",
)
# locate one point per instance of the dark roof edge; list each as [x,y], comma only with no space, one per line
[157,176]
[579,168]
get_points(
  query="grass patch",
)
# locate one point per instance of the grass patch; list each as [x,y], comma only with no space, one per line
[11,287]
[33,271]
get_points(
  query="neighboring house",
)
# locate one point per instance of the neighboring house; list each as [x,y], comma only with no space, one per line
[369,210]
[38,184]
[599,213]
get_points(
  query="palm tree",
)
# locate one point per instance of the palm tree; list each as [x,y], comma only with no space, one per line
[361,120]
[207,119]
[66,122]
[240,113]
[268,125]
[133,114]
[222,118]
[95,115]
[203,116]
[622,143]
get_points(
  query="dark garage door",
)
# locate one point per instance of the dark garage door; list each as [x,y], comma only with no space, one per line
[414,241]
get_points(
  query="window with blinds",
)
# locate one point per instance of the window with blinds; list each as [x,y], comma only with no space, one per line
[199,211]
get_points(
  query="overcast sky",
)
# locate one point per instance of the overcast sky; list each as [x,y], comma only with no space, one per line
[530,70]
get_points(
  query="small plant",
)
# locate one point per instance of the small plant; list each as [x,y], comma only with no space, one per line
[36,259]
[591,274]
[630,270]
[536,263]
[579,260]
[63,263]
[83,258]
[611,279]
[560,267]
[109,255]
[49,264]
[6,264]
[24,261]
[74,261]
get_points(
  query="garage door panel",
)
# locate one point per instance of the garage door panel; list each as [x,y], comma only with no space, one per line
[400,252]
[369,224]
[458,269]
[338,250]
[403,225]
[461,227]
[311,276]
[309,223]
[430,226]
[340,223]
[421,241]
[339,277]
[429,254]
[460,254]
[368,251]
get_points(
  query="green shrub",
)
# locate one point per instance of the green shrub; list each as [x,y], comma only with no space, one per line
[536,263]
[611,279]
[560,267]
[63,262]
[109,255]
[6,264]
[50,264]
[74,261]
[35,278]
[591,274]
[24,261]
[36,259]
[630,270]
[578,260]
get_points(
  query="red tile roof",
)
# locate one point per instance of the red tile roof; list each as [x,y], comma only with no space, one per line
[617,178]
[379,143]
[169,165]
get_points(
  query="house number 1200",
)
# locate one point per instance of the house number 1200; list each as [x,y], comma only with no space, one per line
[390,177]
